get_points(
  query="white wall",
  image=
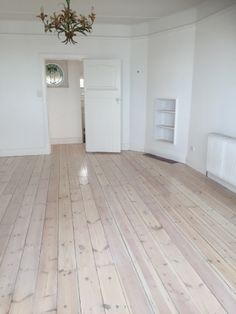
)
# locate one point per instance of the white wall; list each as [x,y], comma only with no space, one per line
[64,107]
[170,70]
[138,93]
[165,59]
[23,123]
[214,83]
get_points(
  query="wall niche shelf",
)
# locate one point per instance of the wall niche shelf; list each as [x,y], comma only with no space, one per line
[165,120]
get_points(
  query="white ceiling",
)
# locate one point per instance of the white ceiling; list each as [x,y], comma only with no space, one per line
[108,11]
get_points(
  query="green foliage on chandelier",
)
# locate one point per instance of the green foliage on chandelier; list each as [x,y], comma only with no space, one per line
[67,22]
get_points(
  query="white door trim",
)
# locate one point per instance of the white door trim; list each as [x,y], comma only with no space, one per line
[43,93]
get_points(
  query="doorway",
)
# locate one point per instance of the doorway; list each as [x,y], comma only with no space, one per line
[94,116]
[65,101]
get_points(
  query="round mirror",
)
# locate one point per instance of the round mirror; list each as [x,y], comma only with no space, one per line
[54,74]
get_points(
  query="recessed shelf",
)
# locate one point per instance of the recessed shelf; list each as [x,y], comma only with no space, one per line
[165,117]
[166,126]
[165,141]
[167,111]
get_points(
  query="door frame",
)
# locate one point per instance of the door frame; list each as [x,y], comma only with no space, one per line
[43,93]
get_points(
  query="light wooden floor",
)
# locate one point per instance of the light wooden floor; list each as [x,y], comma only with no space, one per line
[106,233]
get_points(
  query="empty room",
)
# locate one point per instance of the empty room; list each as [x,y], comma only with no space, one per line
[117,157]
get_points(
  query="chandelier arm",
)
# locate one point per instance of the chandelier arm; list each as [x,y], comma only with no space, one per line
[83,31]
[68,22]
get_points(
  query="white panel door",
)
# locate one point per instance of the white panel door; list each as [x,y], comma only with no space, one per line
[102,105]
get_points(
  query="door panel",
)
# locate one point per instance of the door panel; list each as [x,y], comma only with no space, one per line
[108,80]
[102,105]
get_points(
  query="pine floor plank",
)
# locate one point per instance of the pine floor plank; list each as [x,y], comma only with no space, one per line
[113,297]
[167,269]
[145,266]
[45,297]
[27,276]
[87,272]
[15,245]
[135,293]
[203,191]
[195,195]
[144,221]
[113,233]
[9,171]
[68,293]
[206,204]
[172,225]
[213,256]
[200,218]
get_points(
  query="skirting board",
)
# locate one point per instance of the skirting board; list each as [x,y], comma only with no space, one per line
[136,147]
[222,182]
[69,140]
[25,152]
[125,146]
[178,158]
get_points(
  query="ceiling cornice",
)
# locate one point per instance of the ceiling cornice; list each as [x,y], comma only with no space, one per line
[174,21]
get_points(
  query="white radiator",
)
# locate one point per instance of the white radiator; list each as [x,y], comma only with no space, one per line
[221,159]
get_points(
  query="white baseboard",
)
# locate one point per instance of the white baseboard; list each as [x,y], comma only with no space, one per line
[125,146]
[178,158]
[25,152]
[69,140]
[136,147]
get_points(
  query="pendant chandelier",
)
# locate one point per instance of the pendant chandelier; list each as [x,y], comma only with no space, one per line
[67,23]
